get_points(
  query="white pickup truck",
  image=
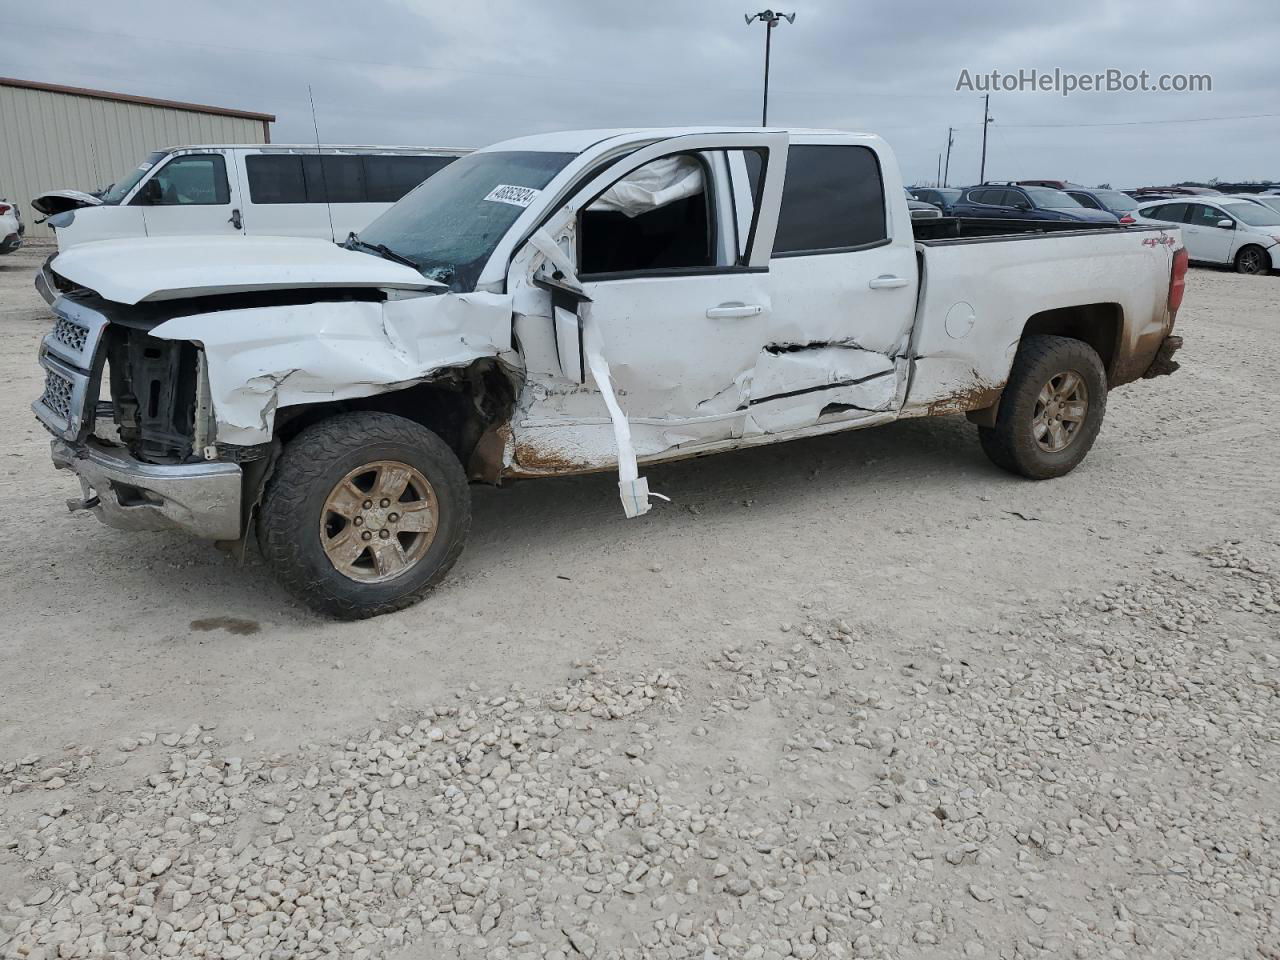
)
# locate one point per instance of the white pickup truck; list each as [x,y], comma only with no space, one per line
[572,302]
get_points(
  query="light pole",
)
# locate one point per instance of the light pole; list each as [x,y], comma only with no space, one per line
[986,119]
[770,19]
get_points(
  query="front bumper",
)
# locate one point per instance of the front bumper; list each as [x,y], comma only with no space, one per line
[202,499]
[44,282]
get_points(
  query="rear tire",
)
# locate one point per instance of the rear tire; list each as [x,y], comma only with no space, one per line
[1051,409]
[1252,259]
[364,514]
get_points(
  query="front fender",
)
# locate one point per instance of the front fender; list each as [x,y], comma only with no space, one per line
[262,358]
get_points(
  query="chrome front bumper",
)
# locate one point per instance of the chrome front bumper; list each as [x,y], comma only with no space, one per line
[44,282]
[202,499]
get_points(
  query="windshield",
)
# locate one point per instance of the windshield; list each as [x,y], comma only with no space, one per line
[1272,202]
[948,194]
[1115,200]
[120,189]
[1051,199]
[451,224]
[1254,214]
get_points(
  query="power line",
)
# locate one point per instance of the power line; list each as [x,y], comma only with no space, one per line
[1142,123]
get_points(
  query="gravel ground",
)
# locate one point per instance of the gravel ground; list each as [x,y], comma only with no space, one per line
[861,696]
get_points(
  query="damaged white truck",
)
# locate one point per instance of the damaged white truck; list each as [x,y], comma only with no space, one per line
[565,303]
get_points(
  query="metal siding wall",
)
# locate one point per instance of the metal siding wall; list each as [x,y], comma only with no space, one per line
[51,141]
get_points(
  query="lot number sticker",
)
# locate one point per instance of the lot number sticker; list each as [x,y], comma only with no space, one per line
[516,196]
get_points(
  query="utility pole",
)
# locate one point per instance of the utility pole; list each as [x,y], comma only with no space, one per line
[946,170]
[770,19]
[986,119]
[937,181]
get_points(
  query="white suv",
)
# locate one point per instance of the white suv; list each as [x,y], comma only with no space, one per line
[1228,230]
[11,226]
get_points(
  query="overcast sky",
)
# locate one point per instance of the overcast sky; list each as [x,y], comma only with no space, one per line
[471,73]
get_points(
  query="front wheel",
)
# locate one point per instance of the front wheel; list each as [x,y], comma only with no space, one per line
[1051,409]
[364,514]
[1252,259]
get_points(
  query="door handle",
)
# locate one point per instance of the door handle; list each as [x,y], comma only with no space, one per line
[887,282]
[731,311]
[234,219]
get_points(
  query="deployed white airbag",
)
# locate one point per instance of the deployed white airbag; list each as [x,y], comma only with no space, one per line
[652,186]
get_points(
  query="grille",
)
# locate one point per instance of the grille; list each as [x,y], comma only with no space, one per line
[70,334]
[57,394]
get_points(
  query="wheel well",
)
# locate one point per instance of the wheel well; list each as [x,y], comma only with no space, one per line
[458,407]
[1097,324]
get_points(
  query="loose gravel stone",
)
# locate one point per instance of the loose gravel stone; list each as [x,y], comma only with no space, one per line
[1107,764]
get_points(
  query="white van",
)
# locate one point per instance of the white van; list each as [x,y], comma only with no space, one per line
[258,189]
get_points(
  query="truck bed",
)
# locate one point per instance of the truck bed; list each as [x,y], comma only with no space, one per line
[982,290]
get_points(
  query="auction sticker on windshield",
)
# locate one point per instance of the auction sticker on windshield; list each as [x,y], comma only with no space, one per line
[516,196]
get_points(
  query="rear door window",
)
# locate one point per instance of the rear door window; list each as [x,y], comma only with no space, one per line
[1170,212]
[832,199]
[336,179]
[275,179]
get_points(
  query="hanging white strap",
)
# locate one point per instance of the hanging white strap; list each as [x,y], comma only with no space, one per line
[633,489]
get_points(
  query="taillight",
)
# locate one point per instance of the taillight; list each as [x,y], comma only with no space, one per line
[4,208]
[1177,282]
[1127,219]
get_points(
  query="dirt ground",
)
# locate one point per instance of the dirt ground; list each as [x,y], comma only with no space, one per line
[902,540]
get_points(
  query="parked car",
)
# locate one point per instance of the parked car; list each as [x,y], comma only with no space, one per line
[11,226]
[569,303]
[920,210]
[940,197]
[1011,202]
[1224,230]
[258,189]
[1113,201]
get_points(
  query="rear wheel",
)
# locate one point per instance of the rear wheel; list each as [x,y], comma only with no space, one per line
[1252,259]
[1051,409]
[364,514]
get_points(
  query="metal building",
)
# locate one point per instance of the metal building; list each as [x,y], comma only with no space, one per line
[54,137]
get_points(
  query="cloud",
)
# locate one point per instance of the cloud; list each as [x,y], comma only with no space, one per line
[413,71]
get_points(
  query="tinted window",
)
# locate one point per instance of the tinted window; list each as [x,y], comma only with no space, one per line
[988,195]
[832,198]
[1202,215]
[193,179]
[1170,212]
[275,179]
[337,179]
[1085,200]
[390,178]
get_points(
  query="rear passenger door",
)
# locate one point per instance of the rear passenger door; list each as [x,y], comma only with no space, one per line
[191,194]
[842,281]
[1204,238]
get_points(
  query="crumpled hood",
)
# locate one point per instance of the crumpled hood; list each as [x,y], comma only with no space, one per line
[59,201]
[173,268]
